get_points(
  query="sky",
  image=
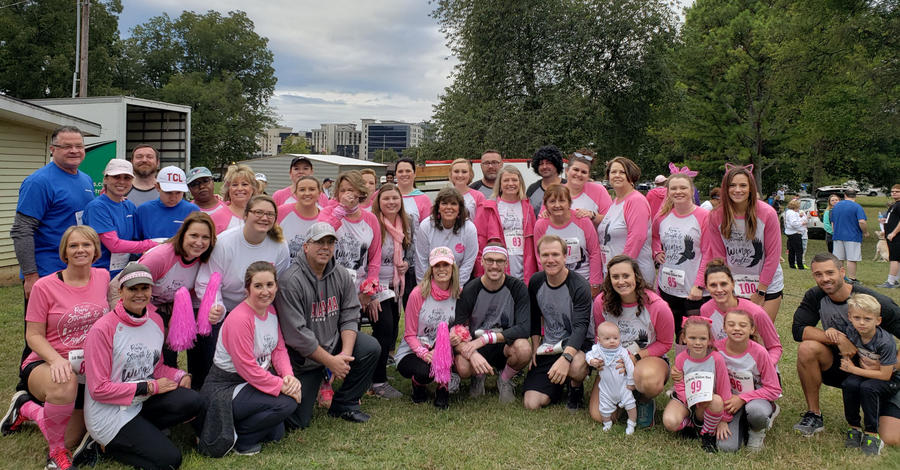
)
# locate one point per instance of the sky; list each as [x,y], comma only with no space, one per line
[337,60]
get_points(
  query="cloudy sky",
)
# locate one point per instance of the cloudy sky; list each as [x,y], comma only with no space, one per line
[337,60]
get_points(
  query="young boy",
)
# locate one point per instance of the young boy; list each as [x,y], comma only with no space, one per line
[615,388]
[866,387]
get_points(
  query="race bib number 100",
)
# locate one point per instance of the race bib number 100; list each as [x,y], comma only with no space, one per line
[745,284]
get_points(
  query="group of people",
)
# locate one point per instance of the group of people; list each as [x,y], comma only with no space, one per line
[266,296]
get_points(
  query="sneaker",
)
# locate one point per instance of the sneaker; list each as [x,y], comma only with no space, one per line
[576,398]
[385,390]
[12,421]
[646,413]
[391,362]
[453,386]
[871,444]
[771,421]
[810,424]
[476,385]
[689,432]
[419,393]
[854,439]
[60,459]
[629,427]
[708,443]
[442,398]
[755,440]
[252,450]
[86,454]
[507,390]
[326,394]
[889,285]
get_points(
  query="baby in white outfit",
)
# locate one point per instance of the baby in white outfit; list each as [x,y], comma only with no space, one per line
[614,387]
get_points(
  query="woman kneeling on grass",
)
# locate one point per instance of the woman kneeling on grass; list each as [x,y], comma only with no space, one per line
[433,301]
[132,396]
[246,403]
[61,309]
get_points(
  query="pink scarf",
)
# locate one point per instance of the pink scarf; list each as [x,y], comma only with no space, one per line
[438,293]
[396,232]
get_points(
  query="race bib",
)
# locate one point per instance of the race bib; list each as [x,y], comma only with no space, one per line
[573,251]
[698,387]
[745,284]
[76,359]
[741,381]
[383,295]
[673,278]
[118,261]
[78,216]
[515,243]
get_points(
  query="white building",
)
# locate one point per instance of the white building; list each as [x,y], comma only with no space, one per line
[337,139]
[270,140]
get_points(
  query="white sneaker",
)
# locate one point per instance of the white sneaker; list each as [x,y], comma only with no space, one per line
[476,386]
[774,415]
[629,427]
[755,440]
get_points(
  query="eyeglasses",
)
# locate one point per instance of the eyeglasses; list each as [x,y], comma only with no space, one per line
[68,147]
[261,213]
[198,182]
[491,163]
[497,261]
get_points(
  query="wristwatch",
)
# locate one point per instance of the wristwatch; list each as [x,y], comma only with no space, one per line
[567,357]
[761,292]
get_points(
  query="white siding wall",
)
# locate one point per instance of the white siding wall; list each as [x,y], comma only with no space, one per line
[22,151]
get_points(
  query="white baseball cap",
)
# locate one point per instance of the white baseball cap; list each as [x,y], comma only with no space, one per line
[117,166]
[171,178]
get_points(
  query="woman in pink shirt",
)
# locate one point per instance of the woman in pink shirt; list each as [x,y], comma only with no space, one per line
[295,218]
[461,175]
[625,229]
[509,219]
[247,403]
[238,187]
[371,180]
[61,310]
[589,199]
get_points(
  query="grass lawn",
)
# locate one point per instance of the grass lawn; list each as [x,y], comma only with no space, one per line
[482,433]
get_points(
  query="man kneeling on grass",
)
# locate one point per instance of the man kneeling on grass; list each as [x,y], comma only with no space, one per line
[496,310]
[318,310]
[561,308]
[820,350]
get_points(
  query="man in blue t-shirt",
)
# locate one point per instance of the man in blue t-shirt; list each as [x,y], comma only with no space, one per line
[849,222]
[162,217]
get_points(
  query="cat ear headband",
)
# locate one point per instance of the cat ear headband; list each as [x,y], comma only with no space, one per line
[674,170]
[730,166]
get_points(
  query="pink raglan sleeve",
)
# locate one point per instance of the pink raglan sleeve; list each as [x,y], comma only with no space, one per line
[161,370]
[159,260]
[323,199]
[424,205]
[529,258]
[98,365]
[601,197]
[540,228]
[711,245]
[373,255]
[770,389]
[597,311]
[326,214]
[663,325]
[237,335]
[281,195]
[772,243]
[411,325]
[679,385]
[595,256]
[706,310]
[723,382]
[113,243]
[765,328]
[700,215]
[637,218]
[656,243]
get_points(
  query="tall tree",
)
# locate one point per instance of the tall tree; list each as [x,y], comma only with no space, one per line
[217,64]
[295,144]
[37,48]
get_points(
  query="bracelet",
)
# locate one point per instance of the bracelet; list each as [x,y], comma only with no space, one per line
[489,337]
[152,387]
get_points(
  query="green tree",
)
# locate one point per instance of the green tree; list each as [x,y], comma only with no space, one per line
[37,48]
[385,156]
[295,144]
[185,60]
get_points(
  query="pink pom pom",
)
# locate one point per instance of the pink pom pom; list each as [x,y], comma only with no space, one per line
[442,357]
[209,298]
[182,329]
[462,332]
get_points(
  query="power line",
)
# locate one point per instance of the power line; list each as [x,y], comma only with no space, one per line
[14,4]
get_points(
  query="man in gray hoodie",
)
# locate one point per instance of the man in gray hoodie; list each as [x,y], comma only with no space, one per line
[318,310]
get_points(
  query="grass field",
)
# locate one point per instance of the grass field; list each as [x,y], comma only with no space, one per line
[481,433]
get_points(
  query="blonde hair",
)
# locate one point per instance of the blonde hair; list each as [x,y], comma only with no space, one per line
[511,170]
[669,204]
[369,171]
[275,233]
[236,172]
[465,161]
[425,285]
[864,302]
[87,232]
[354,177]
[794,204]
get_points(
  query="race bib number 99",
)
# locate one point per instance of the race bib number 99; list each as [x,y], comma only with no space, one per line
[698,387]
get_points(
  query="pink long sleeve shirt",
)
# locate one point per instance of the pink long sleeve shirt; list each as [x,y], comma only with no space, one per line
[764,326]
[752,374]
[653,328]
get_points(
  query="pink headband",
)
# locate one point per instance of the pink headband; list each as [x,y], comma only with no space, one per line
[495,249]
[674,170]
[685,320]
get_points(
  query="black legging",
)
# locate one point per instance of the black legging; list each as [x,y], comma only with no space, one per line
[412,367]
[795,250]
[385,331]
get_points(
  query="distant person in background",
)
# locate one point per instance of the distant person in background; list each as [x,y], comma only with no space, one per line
[826,222]
[713,200]
[327,183]
[145,160]
[300,166]
[547,162]
[657,195]
[891,229]
[491,161]
[163,217]
[262,182]
[849,222]
[389,177]
[371,180]
[795,228]
[461,175]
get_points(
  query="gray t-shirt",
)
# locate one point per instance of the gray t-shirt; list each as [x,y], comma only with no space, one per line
[565,309]
[507,308]
[140,196]
[881,348]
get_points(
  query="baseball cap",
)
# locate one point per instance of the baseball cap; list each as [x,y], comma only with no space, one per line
[134,274]
[171,178]
[300,159]
[197,173]
[660,179]
[117,166]
[260,177]
[320,230]
[327,180]
[439,254]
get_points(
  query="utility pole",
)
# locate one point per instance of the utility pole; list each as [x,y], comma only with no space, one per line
[83,58]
